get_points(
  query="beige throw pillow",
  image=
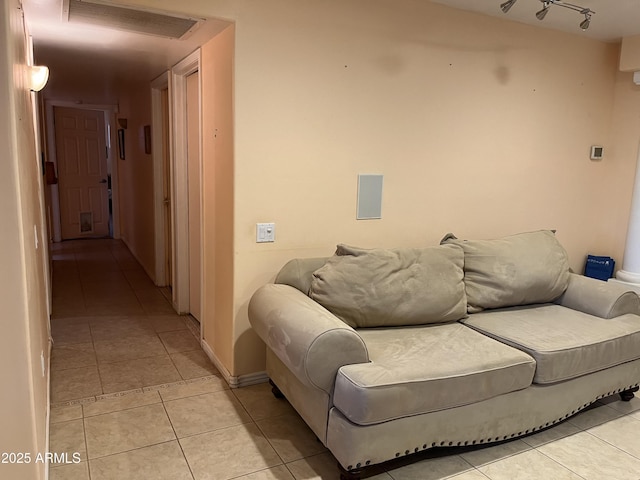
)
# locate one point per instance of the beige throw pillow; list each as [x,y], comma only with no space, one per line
[520,269]
[378,288]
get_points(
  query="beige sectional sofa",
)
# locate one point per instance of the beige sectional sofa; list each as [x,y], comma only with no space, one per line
[386,353]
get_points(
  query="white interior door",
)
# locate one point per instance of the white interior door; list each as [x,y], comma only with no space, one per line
[193,167]
[81,156]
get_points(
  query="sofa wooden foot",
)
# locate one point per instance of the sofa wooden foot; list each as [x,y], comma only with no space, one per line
[275,390]
[627,395]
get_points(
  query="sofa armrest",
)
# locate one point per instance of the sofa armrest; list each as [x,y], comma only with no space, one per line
[311,341]
[598,298]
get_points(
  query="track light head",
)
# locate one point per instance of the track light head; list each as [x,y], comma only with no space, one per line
[506,6]
[586,22]
[543,13]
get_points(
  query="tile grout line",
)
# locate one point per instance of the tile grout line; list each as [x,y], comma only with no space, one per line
[251,421]
[468,463]
[122,393]
[555,461]
[585,430]
[164,407]
[284,462]
[86,443]
[133,450]
[484,475]
[611,444]
[95,353]
[266,437]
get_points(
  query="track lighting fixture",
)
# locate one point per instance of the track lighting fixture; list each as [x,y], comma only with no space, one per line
[507,5]
[546,4]
[586,22]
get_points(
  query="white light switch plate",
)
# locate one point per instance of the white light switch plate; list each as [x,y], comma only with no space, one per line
[265,232]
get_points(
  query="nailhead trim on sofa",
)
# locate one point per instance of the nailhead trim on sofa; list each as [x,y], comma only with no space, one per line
[447,443]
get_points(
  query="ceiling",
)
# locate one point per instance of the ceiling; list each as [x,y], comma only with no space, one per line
[103,52]
[107,53]
[613,19]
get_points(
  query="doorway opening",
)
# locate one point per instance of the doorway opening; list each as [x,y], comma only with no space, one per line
[177,157]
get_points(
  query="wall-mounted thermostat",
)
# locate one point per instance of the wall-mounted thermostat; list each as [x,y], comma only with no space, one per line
[597,152]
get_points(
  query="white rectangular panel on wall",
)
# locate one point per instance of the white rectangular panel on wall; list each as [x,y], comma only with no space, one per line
[369,197]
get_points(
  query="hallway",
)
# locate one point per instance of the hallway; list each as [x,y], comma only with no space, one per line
[133,396]
[113,329]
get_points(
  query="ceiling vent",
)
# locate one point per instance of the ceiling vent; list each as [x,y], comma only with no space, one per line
[128,19]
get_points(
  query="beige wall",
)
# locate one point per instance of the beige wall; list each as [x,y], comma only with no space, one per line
[24,327]
[216,71]
[481,127]
[135,176]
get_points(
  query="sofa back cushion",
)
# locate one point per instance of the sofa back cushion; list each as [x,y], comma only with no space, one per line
[378,288]
[519,269]
[298,272]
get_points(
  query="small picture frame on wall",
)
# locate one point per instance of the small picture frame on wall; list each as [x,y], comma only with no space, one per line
[147,139]
[121,143]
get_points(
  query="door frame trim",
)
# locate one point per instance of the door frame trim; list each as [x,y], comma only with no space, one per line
[180,198]
[110,112]
[163,82]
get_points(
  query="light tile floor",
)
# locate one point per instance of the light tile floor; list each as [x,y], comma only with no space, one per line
[164,413]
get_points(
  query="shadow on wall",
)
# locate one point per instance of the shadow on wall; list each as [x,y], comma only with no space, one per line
[395,65]
[249,350]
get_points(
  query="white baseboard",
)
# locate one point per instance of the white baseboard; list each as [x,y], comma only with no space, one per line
[252,379]
[48,413]
[234,381]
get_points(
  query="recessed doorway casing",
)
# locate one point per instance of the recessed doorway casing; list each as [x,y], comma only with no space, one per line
[185,242]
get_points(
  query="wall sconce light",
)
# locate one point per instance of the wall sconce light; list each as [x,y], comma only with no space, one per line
[546,4]
[38,76]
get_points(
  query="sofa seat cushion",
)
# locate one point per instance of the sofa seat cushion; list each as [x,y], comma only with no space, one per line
[415,370]
[565,343]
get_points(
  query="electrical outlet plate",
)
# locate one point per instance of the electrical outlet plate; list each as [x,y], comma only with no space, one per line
[265,232]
